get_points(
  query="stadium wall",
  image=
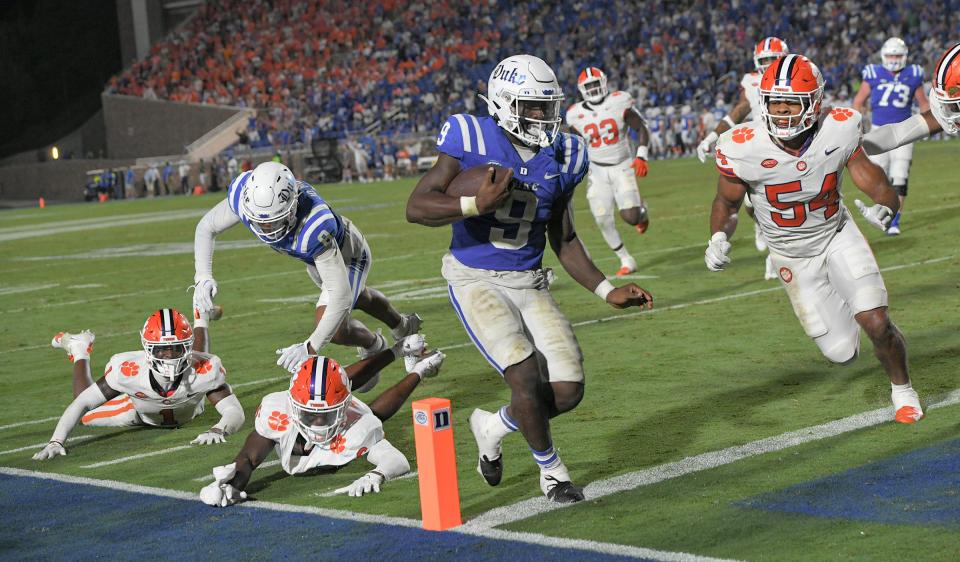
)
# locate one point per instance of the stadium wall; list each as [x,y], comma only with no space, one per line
[136,127]
[63,180]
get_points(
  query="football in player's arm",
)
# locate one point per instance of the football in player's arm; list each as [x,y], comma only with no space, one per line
[318,423]
[162,386]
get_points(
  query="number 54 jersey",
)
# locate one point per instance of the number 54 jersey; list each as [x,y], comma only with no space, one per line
[796,199]
[512,238]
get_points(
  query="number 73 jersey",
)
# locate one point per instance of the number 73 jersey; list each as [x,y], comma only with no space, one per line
[796,199]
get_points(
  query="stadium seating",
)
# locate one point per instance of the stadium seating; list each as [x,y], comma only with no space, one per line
[326,67]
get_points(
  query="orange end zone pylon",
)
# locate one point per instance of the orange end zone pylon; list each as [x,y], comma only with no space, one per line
[436,464]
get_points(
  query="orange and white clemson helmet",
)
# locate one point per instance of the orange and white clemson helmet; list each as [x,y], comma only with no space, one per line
[792,78]
[592,84]
[945,95]
[767,51]
[320,395]
[167,339]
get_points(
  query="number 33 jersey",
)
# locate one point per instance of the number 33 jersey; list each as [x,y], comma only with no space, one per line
[604,127]
[796,199]
[512,238]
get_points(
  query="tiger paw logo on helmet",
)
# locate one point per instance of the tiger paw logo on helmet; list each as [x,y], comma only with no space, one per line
[202,367]
[129,369]
[841,113]
[278,421]
[742,135]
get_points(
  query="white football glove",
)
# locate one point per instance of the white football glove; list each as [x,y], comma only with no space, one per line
[203,293]
[220,493]
[877,215]
[410,348]
[50,450]
[706,146]
[293,356]
[716,256]
[209,437]
[429,365]
[368,483]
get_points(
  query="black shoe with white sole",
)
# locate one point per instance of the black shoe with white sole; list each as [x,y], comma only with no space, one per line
[491,470]
[563,492]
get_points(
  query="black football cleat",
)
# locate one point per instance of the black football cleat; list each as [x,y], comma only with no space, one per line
[491,470]
[561,491]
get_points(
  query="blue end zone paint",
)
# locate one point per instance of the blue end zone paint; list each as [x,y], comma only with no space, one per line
[51,520]
[918,488]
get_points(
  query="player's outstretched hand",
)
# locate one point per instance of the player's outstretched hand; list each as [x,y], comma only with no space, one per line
[705,148]
[220,493]
[210,437]
[630,295]
[716,256]
[493,193]
[293,356]
[203,293]
[877,215]
[52,449]
[366,484]
[639,167]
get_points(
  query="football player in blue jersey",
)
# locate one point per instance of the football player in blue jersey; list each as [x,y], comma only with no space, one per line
[292,218]
[494,269]
[892,87]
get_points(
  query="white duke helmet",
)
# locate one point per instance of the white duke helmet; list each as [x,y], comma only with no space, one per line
[269,201]
[893,54]
[520,83]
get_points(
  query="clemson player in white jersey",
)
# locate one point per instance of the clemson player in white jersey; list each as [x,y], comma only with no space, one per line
[318,423]
[163,385]
[602,117]
[790,163]
[942,116]
[765,53]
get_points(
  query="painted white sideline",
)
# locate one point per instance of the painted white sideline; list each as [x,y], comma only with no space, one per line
[140,456]
[529,538]
[631,480]
[38,446]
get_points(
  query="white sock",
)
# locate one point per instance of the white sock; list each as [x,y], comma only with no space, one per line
[623,254]
[498,426]
[608,228]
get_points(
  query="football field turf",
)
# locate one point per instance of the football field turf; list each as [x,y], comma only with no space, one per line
[711,426]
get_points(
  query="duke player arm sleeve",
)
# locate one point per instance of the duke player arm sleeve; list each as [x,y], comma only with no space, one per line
[217,219]
[83,403]
[231,413]
[333,272]
[389,461]
[884,139]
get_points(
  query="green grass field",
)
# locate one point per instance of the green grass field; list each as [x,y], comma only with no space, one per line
[721,362]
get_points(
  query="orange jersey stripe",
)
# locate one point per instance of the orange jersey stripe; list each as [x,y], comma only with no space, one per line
[117,401]
[106,414]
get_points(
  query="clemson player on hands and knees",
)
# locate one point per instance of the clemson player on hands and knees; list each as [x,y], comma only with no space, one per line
[766,52]
[790,163]
[494,268]
[943,114]
[162,385]
[318,423]
[602,119]
[291,217]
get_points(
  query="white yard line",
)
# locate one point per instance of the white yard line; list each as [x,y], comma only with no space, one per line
[26,288]
[260,381]
[331,493]
[138,457]
[39,445]
[632,480]
[528,538]
[84,225]
[30,422]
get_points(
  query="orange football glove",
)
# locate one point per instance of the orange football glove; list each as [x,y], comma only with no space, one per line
[639,167]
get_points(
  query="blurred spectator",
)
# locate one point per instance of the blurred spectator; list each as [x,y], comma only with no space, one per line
[184,171]
[150,178]
[202,175]
[232,167]
[167,177]
[129,184]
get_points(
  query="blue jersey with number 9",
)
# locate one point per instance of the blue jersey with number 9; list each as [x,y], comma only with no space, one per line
[512,238]
[891,95]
